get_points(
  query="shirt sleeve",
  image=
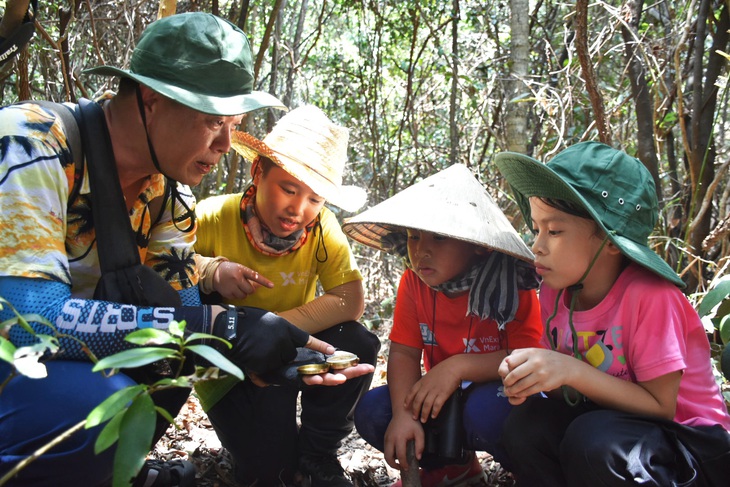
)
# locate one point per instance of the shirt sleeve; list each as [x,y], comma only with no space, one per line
[406,329]
[36,174]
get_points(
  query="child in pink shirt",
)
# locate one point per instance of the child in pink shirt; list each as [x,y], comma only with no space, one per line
[629,395]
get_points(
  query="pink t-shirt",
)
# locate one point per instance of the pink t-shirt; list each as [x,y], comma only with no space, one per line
[438,324]
[643,329]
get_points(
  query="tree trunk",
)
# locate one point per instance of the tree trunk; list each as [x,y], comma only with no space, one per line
[275,59]
[516,111]
[453,105]
[295,56]
[702,151]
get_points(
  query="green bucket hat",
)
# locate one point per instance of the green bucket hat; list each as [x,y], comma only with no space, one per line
[615,188]
[199,60]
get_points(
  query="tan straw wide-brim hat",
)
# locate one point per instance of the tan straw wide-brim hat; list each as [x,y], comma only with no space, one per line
[451,203]
[310,147]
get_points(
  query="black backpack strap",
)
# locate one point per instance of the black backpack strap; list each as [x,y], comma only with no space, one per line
[115,240]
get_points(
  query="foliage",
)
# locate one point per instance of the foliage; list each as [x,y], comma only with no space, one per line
[25,360]
[385,70]
[714,309]
[130,413]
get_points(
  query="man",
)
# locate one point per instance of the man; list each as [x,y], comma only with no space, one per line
[280,228]
[188,86]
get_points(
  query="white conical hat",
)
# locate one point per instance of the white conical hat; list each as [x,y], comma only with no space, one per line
[451,203]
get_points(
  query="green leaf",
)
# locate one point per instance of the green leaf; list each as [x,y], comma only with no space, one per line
[45,343]
[177,328]
[7,349]
[135,440]
[134,358]
[23,321]
[170,419]
[204,336]
[217,359]
[150,336]
[112,405]
[715,296]
[109,435]
[724,328]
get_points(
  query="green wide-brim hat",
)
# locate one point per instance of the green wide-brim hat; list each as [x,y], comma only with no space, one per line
[199,60]
[615,188]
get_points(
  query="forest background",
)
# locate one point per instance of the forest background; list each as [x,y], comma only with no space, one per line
[424,84]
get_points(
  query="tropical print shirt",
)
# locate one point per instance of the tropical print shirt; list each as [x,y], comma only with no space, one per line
[43,235]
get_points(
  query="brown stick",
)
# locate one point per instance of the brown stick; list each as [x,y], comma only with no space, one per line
[410,477]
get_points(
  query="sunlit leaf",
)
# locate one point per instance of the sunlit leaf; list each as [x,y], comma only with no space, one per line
[135,439]
[204,336]
[134,358]
[715,296]
[217,359]
[150,336]
[113,405]
[177,328]
[26,362]
[7,349]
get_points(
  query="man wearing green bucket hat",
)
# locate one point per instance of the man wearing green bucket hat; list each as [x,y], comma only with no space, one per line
[188,86]
[622,392]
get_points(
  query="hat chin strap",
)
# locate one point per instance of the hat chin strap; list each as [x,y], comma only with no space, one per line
[571,396]
[171,186]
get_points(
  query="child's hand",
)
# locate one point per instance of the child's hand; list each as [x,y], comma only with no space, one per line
[428,395]
[401,430]
[235,281]
[529,371]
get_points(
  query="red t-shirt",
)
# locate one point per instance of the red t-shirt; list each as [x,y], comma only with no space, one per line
[438,324]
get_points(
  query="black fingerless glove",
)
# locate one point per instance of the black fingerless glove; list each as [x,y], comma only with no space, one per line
[262,341]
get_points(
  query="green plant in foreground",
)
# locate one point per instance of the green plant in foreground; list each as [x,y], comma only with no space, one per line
[130,413]
[714,310]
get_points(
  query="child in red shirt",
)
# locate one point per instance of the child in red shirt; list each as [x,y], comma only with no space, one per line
[466,298]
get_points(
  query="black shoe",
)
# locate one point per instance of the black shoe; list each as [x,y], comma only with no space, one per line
[323,471]
[175,473]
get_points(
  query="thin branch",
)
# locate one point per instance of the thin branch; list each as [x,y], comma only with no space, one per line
[589,75]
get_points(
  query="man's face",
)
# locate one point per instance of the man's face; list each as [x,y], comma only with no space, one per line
[188,143]
[284,203]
